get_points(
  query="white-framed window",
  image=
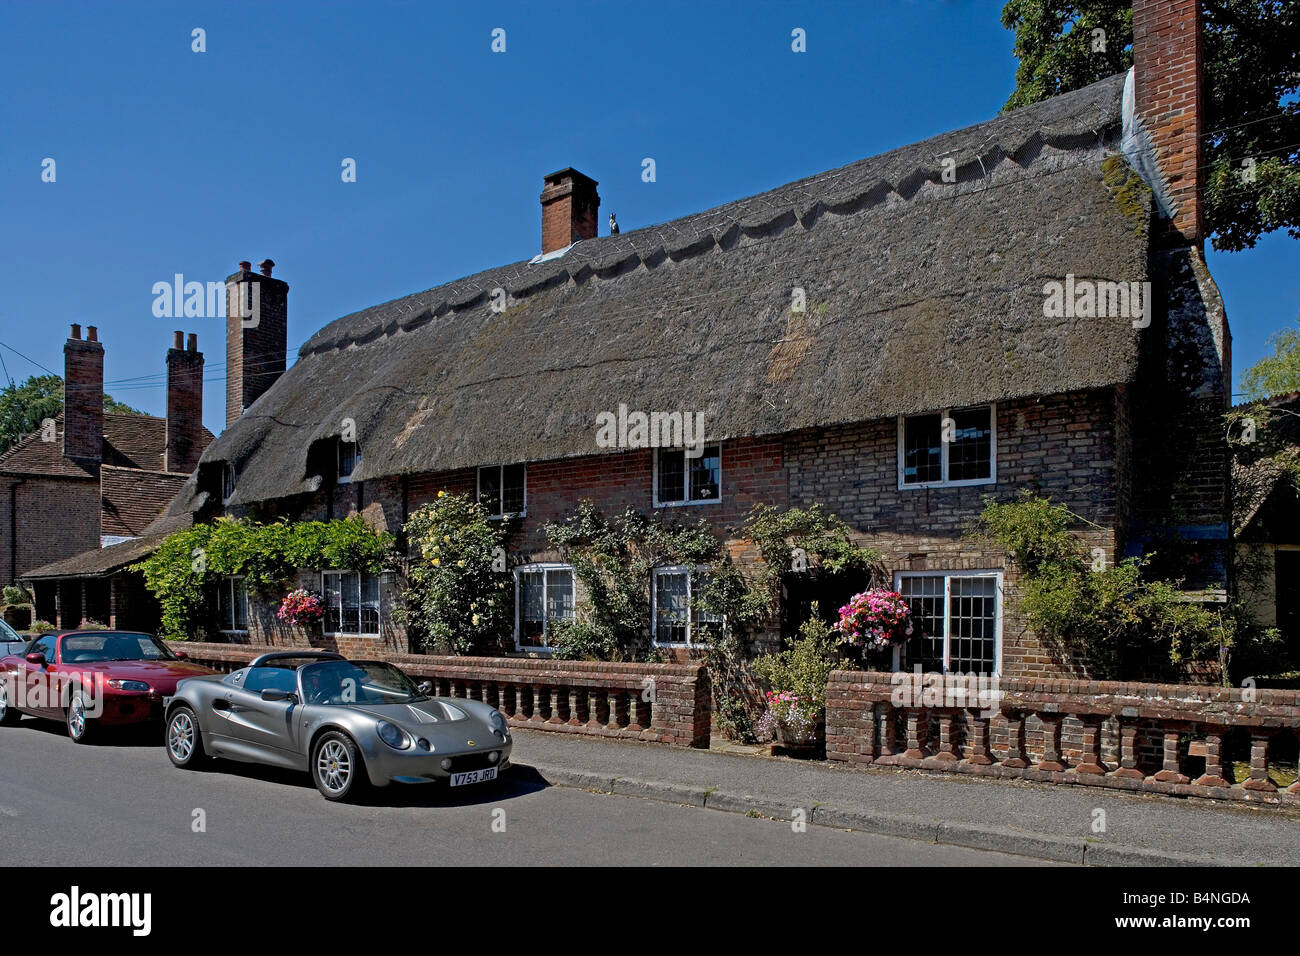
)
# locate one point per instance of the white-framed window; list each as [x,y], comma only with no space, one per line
[544,593]
[349,457]
[351,602]
[232,604]
[678,618]
[227,482]
[956,620]
[503,490]
[956,446]
[680,479]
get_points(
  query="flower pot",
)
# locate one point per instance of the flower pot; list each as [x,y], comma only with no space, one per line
[801,738]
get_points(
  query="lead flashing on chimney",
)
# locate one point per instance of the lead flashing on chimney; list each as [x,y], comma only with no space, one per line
[555,254]
[1140,151]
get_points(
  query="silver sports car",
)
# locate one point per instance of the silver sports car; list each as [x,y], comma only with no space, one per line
[350,723]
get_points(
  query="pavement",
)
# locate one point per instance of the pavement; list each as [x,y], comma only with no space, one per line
[1069,824]
[121,803]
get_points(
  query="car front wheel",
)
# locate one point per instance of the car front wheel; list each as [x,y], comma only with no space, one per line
[80,726]
[336,767]
[184,741]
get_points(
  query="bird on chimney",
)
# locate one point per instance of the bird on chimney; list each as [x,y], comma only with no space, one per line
[613,225]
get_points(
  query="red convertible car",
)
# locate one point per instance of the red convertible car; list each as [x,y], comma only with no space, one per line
[91,679]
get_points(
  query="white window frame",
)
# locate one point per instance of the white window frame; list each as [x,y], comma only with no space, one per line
[947,610]
[686,481]
[341,478]
[229,581]
[691,573]
[943,451]
[501,479]
[325,600]
[539,568]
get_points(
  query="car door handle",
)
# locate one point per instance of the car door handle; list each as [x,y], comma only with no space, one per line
[223,705]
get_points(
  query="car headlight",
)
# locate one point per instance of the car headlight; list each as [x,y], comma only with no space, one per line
[393,735]
[118,684]
[498,724]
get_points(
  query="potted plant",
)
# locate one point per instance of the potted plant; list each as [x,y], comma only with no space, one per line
[873,623]
[301,608]
[796,678]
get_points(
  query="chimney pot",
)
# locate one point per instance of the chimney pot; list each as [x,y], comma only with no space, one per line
[245,266]
[92,334]
[76,331]
[178,339]
[266,265]
[193,344]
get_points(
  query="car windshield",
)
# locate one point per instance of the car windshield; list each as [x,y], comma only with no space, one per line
[356,682]
[7,633]
[109,646]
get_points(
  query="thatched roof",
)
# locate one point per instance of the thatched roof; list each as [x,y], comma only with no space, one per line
[1263,470]
[921,294]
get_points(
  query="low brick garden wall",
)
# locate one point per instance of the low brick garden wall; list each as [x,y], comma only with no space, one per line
[1163,738]
[664,703]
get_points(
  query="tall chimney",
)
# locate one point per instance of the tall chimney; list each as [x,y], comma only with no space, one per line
[1168,99]
[256,335]
[569,205]
[83,396]
[184,405]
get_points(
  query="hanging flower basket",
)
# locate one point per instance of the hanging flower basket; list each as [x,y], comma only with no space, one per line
[874,621]
[301,608]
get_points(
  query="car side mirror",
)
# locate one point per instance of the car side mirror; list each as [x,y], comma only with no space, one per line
[425,687]
[271,695]
[36,658]
[181,655]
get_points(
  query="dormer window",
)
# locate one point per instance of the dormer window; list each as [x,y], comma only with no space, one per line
[227,482]
[502,490]
[349,457]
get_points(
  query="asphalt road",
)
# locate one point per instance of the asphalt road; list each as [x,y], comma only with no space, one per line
[122,803]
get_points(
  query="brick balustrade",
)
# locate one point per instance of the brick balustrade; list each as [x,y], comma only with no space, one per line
[1110,734]
[665,703]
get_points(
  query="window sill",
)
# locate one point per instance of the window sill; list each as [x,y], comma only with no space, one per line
[688,504]
[349,634]
[967,483]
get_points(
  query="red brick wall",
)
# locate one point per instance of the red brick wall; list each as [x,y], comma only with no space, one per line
[1064,446]
[57,518]
[1167,76]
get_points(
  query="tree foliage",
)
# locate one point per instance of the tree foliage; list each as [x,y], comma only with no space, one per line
[1251,52]
[1279,373]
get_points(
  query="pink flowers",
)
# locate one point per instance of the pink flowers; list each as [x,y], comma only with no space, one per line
[875,619]
[301,608]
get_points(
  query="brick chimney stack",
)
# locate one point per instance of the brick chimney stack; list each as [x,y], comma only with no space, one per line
[83,396]
[184,405]
[569,206]
[1168,99]
[256,335]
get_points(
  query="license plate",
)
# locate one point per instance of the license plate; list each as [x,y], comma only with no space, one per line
[473,776]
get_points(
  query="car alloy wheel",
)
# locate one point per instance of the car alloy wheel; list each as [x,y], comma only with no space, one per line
[78,722]
[337,768]
[180,737]
[184,740]
[334,766]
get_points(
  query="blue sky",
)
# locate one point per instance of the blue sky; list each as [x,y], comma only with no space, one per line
[171,161]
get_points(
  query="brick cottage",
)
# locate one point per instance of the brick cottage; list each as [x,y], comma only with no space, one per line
[85,494]
[877,339]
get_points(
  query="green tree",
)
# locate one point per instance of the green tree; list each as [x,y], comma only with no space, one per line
[1279,373]
[1252,74]
[23,407]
